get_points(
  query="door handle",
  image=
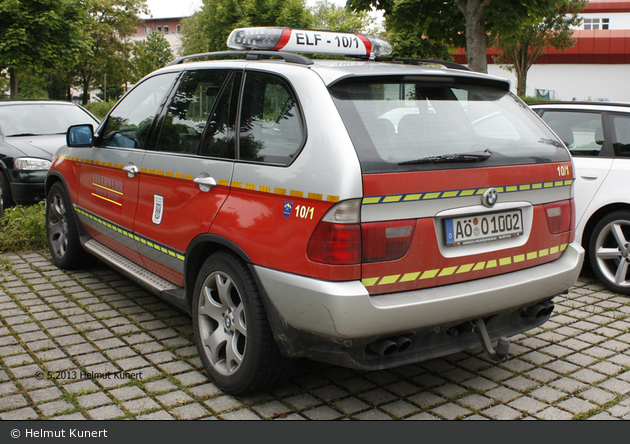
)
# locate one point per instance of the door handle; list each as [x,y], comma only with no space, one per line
[205,182]
[589,175]
[131,169]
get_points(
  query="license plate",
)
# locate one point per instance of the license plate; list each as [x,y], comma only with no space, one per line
[483,228]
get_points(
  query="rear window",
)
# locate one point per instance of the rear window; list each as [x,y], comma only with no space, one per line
[396,121]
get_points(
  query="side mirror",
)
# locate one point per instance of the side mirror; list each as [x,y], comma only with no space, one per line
[80,136]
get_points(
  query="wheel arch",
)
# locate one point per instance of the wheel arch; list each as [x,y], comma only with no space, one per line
[52,178]
[199,250]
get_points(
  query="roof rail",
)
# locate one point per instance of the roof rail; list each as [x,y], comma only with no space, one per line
[581,102]
[249,55]
[406,61]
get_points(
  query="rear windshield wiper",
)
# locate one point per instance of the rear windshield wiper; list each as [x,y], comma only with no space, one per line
[478,156]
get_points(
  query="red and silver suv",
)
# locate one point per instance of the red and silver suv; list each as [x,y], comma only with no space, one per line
[360,213]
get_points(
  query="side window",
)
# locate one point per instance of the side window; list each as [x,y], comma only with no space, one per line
[581,132]
[185,121]
[622,135]
[271,124]
[129,123]
[219,137]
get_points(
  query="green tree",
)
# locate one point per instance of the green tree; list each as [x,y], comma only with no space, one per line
[328,16]
[110,24]
[39,33]
[32,86]
[411,44]
[520,51]
[150,54]
[208,29]
[461,23]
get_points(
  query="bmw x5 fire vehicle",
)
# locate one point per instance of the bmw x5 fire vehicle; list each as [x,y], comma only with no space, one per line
[368,213]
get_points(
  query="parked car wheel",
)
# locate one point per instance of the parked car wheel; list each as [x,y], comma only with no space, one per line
[235,342]
[63,238]
[609,251]
[5,193]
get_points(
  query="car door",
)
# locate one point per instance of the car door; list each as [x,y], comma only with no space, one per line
[618,178]
[108,191]
[585,134]
[186,179]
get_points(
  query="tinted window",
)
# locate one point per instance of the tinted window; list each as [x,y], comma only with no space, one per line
[622,135]
[393,120]
[271,124]
[188,112]
[581,132]
[219,137]
[129,123]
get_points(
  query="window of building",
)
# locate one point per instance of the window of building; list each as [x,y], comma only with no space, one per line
[166,30]
[159,29]
[148,30]
[178,29]
[596,23]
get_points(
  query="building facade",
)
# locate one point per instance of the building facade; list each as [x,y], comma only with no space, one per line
[597,67]
[169,27]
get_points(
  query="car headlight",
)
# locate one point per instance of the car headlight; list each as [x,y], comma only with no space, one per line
[31,164]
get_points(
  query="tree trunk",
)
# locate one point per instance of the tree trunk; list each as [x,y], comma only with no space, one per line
[521,83]
[521,67]
[476,36]
[13,74]
[86,91]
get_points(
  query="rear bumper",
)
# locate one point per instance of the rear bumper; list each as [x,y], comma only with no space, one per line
[308,313]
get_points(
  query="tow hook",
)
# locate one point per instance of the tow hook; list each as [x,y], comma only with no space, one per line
[500,353]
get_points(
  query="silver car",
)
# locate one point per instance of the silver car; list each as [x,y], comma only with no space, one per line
[356,212]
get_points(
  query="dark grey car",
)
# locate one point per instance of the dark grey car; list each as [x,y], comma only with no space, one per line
[30,134]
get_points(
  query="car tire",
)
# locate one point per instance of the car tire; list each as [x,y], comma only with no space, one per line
[61,228]
[232,332]
[609,251]
[6,199]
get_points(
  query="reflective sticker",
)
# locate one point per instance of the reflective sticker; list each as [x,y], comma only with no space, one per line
[288,208]
[394,198]
[461,269]
[158,209]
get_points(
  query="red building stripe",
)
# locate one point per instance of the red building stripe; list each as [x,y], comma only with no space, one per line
[603,46]
[597,7]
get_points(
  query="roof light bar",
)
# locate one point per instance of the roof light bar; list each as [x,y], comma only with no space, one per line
[307,41]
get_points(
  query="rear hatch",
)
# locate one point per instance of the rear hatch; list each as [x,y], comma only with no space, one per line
[461,180]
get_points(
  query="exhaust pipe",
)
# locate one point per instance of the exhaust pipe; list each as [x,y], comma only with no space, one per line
[539,310]
[384,347]
[387,346]
[402,343]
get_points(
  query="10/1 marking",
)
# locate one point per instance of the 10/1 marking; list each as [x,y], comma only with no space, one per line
[304,212]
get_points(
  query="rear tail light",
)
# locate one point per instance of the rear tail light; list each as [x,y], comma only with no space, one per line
[341,239]
[337,238]
[560,216]
[386,241]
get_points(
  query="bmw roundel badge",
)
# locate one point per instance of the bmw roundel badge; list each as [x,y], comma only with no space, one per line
[490,197]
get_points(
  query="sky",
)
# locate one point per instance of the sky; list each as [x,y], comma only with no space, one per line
[184,8]
[170,8]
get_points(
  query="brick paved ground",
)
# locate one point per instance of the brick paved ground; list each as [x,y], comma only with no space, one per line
[84,323]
